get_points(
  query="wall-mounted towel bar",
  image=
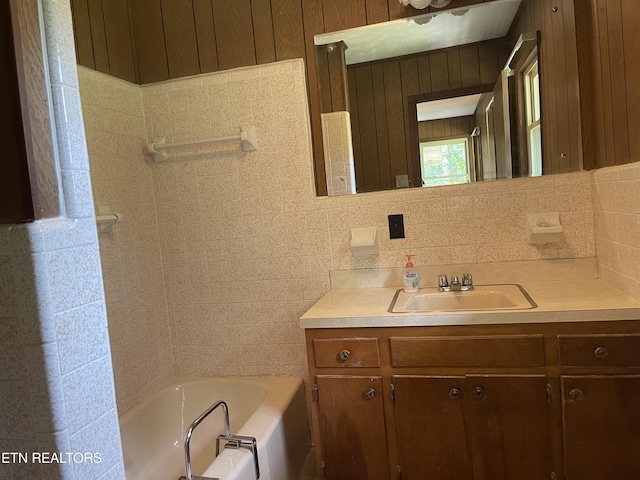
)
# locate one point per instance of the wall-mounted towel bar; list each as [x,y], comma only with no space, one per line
[248,142]
[106,218]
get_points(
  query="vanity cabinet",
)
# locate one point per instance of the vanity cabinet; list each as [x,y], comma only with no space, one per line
[499,402]
[470,425]
[600,405]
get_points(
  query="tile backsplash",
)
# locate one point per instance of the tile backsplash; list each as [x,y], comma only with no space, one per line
[617,222]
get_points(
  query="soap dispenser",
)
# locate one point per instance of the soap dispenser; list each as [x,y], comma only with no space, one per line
[410,278]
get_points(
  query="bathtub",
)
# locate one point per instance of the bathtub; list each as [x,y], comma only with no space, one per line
[272,409]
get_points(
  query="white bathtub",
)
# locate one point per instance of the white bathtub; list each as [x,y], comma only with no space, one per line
[272,409]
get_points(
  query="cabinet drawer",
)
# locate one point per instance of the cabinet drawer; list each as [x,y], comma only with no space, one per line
[482,351]
[599,350]
[346,352]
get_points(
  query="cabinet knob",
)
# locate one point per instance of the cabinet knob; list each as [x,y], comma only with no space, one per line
[575,394]
[455,393]
[601,352]
[370,392]
[344,355]
[478,392]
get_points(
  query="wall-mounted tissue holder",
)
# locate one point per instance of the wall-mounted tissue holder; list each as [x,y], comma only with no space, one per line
[364,241]
[544,228]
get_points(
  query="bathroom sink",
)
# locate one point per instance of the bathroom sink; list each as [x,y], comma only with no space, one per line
[482,297]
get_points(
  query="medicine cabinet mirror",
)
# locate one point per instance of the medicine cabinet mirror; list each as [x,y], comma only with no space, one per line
[442,98]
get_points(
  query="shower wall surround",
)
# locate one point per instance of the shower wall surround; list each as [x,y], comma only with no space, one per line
[130,254]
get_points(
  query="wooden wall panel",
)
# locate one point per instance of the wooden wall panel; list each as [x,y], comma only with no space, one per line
[15,188]
[118,36]
[82,33]
[395,116]
[180,38]
[437,71]
[387,181]
[98,36]
[149,43]
[263,26]
[287,28]
[377,11]
[205,36]
[313,24]
[234,33]
[344,14]
[631,39]
[608,46]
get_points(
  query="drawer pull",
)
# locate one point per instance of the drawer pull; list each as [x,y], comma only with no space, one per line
[455,393]
[575,394]
[479,392]
[344,355]
[601,352]
[370,393]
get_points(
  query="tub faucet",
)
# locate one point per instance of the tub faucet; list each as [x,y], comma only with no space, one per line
[455,284]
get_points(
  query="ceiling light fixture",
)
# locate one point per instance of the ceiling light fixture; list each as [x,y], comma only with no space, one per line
[420,4]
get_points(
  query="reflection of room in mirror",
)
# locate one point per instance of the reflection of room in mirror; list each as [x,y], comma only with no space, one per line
[338,153]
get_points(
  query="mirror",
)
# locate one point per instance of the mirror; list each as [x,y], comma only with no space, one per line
[382,128]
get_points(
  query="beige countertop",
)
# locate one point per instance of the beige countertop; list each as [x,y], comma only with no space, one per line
[558,301]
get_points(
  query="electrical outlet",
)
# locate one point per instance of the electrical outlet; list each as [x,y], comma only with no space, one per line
[396,226]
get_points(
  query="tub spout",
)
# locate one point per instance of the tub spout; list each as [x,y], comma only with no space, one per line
[233,441]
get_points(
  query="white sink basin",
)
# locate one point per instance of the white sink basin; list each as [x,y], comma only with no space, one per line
[482,297]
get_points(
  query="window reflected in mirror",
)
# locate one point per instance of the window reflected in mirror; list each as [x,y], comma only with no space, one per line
[446,162]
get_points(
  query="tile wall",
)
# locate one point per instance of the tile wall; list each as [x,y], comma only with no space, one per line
[56,380]
[130,253]
[617,222]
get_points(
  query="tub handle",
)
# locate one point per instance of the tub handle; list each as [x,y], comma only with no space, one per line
[233,441]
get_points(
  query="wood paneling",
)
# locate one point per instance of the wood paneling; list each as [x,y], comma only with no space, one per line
[15,189]
[446,128]
[344,14]
[98,36]
[82,33]
[384,110]
[263,26]
[234,33]
[150,47]
[118,35]
[180,38]
[287,27]
[206,37]
[608,44]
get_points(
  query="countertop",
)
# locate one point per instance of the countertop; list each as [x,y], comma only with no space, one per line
[558,301]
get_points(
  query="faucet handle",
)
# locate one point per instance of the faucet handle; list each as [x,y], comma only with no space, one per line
[443,283]
[467,281]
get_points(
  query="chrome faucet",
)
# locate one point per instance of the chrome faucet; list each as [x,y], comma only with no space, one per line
[455,285]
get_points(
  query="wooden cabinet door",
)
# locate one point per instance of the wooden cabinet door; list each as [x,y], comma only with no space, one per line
[508,424]
[430,428]
[352,428]
[601,416]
